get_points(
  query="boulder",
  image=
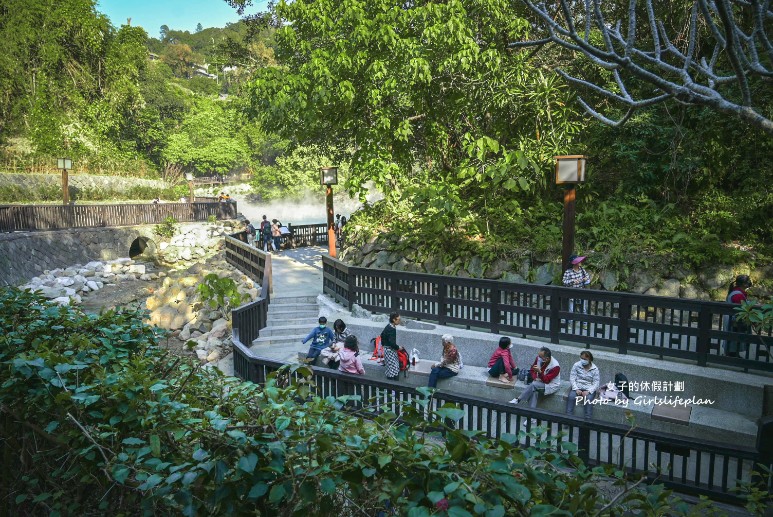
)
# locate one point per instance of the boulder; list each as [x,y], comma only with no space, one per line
[65,281]
[497,269]
[546,273]
[401,265]
[692,292]
[52,292]
[609,279]
[382,259]
[137,269]
[513,277]
[186,254]
[641,281]
[213,356]
[185,333]
[717,278]
[475,267]
[219,328]
[201,354]
[359,312]
[62,300]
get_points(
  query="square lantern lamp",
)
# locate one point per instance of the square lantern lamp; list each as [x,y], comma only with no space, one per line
[328,175]
[64,164]
[570,169]
[189,176]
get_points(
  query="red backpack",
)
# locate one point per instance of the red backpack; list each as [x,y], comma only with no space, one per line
[402,358]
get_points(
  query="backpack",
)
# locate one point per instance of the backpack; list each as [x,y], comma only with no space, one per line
[266,229]
[251,229]
[402,358]
[621,381]
[378,350]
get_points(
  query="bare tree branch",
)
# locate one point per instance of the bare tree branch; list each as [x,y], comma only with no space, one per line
[735,32]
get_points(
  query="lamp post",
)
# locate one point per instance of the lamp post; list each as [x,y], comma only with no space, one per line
[189,177]
[570,170]
[65,164]
[328,176]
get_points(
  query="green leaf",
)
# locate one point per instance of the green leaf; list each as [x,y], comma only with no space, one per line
[155,445]
[369,472]
[451,487]
[258,490]
[458,511]
[328,486]
[248,463]
[541,510]
[515,490]
[450,412]
[133,441]
[384,459]
[120,473]
[497,511]
[278,493]
[435,496]
[419,511]
[200,455]
[51,427]
[151,482]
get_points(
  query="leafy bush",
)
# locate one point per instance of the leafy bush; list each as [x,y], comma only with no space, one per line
[166,229]
[97,419]
[220,293]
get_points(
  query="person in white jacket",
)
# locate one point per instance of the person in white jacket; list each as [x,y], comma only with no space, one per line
[585,379]
[546,378]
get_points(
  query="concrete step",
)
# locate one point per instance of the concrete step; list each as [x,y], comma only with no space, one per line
[286,330]
[285,300]
[287,308]
[294,340]
[285,322]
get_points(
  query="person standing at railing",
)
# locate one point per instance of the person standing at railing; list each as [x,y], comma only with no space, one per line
[546,378]
[389,342]
[276,233]
[736,295]
[265,234]
[585,379]
[577,278]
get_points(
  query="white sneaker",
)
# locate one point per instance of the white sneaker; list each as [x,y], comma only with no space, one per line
[516,400]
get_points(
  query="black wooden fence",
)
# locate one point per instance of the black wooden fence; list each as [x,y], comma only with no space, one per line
[57,217]
[692,466]
[661,326]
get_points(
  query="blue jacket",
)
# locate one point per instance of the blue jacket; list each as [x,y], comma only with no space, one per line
[320,338]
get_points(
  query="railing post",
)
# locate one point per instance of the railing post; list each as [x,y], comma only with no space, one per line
[393,290]
[441,300]
[624,326]
[704,335]
[351,295]
[495,316]
[583,444]
[555,317]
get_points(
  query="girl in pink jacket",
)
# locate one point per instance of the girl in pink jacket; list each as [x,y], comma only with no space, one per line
[502,364]
[350,363]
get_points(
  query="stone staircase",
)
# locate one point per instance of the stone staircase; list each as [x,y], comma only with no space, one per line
[290,319]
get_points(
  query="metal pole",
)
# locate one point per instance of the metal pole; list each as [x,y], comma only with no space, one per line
[568,242]
[65,188]
[331,233]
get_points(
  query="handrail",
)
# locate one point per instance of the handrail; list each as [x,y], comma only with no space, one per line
[699,467]
[14,218]
[665,327]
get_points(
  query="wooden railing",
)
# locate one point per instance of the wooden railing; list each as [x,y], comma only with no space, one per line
[699,467]
[664,327]
[57,217]
[251,261]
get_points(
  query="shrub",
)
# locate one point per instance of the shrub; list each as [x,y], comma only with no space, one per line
[166,229]
[220,293]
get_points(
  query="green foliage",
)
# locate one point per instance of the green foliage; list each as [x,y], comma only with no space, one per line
[97,419]
[166,229]
[221,293]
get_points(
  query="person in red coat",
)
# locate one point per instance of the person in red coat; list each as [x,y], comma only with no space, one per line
[502,364]
[736,295]
[546,375]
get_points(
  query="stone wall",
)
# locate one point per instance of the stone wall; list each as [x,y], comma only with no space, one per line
[24,255]
[710,283]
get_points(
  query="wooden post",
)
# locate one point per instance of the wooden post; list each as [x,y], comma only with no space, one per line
[65,188]
[331,233]
[568,241]
[190,187]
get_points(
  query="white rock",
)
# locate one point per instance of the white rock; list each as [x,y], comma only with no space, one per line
[201,354]
[85,289]
[89,273]
[93,265]
[69,292]
[100,284]
[213,356]
[65,281]
[91,284]
[185,334]
[62,300]
[163,246]
[80,278]
[137,268]
[108,268]
[186,254]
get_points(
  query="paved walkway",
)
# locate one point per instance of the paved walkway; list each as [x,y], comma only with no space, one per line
[297,272]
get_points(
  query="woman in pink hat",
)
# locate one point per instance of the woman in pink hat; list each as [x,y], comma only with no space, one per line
[577,278]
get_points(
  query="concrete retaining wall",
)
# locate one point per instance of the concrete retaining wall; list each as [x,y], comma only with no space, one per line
[24,255]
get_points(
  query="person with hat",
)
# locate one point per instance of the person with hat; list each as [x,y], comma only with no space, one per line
[577,278]
[736,295]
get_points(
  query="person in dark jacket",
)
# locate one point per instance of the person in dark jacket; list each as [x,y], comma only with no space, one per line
[389,342]
[320,338]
